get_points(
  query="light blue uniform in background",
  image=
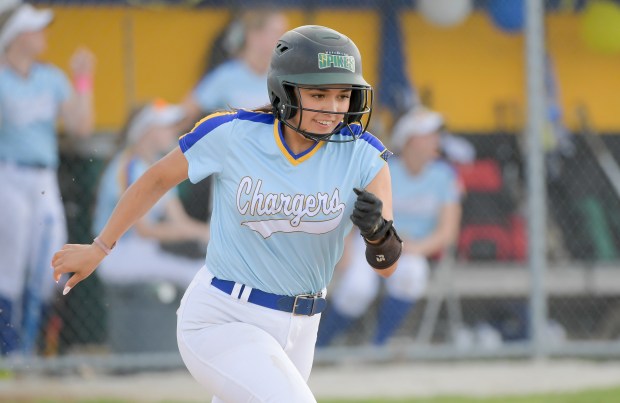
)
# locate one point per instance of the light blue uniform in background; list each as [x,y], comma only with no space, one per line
[232,85]
[29,109]
[137,259]
[278,225]
[123,170]
[32,215]
[418,200]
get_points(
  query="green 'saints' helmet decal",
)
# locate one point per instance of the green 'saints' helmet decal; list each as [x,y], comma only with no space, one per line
[336,60]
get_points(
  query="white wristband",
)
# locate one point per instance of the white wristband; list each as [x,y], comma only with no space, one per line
[103,246]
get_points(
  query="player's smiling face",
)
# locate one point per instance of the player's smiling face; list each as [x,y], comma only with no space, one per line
[327,100]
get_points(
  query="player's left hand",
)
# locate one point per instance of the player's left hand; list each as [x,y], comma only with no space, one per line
[81,260]
[367,215]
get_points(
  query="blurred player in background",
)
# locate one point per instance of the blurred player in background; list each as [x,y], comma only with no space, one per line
[149,133]
[288,182]
[236,78]
[33,95]
[428,212]
[241,80]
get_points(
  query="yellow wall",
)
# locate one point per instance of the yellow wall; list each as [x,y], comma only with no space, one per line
[468,69]
[586,77]
[471,70]
[141,54]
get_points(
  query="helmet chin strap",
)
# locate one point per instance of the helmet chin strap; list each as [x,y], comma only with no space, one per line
[316,137]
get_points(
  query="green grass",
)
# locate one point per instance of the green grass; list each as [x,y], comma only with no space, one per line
[589,396]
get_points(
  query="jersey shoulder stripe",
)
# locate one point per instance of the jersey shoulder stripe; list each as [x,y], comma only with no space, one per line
[373,141]
[204,127]
[355,129]
[258,117]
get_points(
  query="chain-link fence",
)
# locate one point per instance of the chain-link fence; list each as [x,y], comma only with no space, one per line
[474,62]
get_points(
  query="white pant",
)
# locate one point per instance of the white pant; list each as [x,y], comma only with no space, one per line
[32,228]
[136,260]
[242,352]
[359,284]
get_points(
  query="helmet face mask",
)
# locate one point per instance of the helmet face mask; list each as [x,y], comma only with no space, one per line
[359,112]
[313,56]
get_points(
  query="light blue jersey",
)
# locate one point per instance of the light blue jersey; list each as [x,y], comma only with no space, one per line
[29,109]
[279,219]
[121,172]
[432,189]
[232,85]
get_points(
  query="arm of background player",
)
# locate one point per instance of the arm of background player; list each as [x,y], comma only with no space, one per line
[176,226]
[443,236]
[135,202]
[78,112]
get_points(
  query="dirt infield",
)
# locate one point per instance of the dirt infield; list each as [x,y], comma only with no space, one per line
[464,379]
[351,381]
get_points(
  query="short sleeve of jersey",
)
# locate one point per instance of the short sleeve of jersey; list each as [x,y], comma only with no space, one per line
[206,146]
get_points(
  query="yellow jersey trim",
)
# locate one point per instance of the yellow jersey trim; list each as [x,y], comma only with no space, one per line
[212,115]
[292,158]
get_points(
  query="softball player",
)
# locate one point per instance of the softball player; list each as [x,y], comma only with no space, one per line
[287,189]
[427,208]
[32,224]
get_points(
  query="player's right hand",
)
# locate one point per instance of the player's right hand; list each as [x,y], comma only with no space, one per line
[81,260]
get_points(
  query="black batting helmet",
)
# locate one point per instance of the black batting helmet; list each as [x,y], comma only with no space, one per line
[310,56]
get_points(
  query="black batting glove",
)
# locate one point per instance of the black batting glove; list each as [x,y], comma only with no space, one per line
[367,216]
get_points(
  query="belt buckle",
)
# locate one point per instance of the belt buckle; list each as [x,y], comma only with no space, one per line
[305,296]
